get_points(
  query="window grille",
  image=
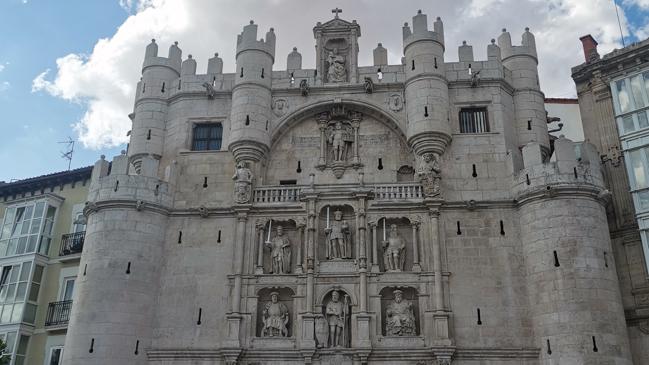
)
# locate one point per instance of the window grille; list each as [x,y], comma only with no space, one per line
[474,120]
[207,137]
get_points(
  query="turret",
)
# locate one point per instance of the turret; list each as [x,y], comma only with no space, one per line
[294,61]
[124,243]
[251,95]
[380,55]
[215,65]
[426,88]
[188,67]
[530,117]
[158,74]
[575,305]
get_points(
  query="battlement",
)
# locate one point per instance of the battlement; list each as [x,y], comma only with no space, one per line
[137,183]
[527,47]
[577,167]
[469,69]
[420,32]
[247,40]
[151,58]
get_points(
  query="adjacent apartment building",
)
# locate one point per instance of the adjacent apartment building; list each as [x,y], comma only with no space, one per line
[613,93]
[42,236]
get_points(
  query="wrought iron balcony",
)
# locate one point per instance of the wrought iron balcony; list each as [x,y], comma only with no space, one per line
[72,243]
[58,313]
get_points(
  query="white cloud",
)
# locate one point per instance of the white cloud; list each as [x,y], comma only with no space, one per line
[643,4]
[2,67]
[4,86]
[105,78]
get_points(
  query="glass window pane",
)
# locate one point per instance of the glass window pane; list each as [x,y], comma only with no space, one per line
[642,120]
[51,211]
[38,211]
[15,270]
[33,292]
[636,88]
[21,291]
[69,290]
[25,227]
[22,345]
[3,247]
[11,338]
[55,356]
[38,274]
[642,199]
[28,212]
[22,244]
[24,272]
[36,224]
[17,228]
[622,96]
[44,246]
[31,243]
[11,291]
[6,231]
[17,314]
[30,313]
[6,313]
[10,213]
[638,169]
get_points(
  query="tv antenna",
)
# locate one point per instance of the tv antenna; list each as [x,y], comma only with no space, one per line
[69,150]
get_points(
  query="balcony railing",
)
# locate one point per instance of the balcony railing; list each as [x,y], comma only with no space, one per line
[276,194]
[58,313]
[72,243]
[407,191]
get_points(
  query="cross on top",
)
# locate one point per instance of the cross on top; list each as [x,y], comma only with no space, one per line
[336,11]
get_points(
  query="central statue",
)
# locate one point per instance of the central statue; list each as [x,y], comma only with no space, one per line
[336,313]
[338,238]
[275,318]
[336,71]
[280,254]
[394,250]
[400,317]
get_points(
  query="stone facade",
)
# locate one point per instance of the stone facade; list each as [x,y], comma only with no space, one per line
[600,81]
[419,215]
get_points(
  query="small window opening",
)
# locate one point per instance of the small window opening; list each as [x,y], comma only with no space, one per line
[502,228]
[479,318]
[241,74]
[435,62]
[116,185]
[128,268]
[549,348]
[527,179]
[556,259]
[475,173]
[143,87]
[288,182]
[474,120]
[574,170]
[205,182]
[425,112]
[92,346]
[200,314]
[595,349]
[180,237]
[413,64]
[605,259]
[247,119]
[148,135]
[218,239]
[529,125]
[163,87]
[299,167]
[85,269]
[137,347]
[207,137]
[262,73]
[266,125]
[179,84]
[459,231]
[380,166]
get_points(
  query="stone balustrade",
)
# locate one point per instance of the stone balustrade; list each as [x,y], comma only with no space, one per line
[407,191]
[276,194]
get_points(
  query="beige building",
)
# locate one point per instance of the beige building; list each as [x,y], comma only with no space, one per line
[42,237]
[613,95]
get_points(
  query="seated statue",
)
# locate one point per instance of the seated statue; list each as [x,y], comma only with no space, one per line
[275,318]
[400,317]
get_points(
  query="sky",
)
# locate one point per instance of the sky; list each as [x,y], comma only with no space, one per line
[68,68]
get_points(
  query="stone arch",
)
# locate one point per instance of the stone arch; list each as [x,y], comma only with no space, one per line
[309,110]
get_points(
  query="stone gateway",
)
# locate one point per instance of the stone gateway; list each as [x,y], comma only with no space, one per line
[415,218]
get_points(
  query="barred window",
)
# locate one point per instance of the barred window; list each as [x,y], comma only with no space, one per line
[207,137]
[474,120]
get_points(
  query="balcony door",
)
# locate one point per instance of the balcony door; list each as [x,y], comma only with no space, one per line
[56,356]
[68,289]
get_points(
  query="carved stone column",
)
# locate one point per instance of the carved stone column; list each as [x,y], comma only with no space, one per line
[415,246]
[375,249]
[234,317]
[356,120]
[323,120]
[353,62]
[440,316]
[298,256]
[319,59]
[259,269]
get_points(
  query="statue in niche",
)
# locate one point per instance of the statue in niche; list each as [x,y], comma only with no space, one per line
[338,237]
[280,253]
[275,317]
[242,183]
[368,84]
[336,312]
[429,173]
[336,71]
[394,250]
[339,137]
[400,316]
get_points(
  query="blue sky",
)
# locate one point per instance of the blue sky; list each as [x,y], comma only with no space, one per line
[75,62]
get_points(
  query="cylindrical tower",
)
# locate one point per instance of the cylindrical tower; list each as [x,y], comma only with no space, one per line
[426,88]
[529,102]
[158,73]
[251,95]
[575,304]
[116,291]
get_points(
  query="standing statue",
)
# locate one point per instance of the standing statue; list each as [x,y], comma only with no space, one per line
[394,250]
[280,253]
[336,71]
[429,173]
[275,317]
[337,313]
[338,238]
[400,317]
[242,183]
[339,137]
